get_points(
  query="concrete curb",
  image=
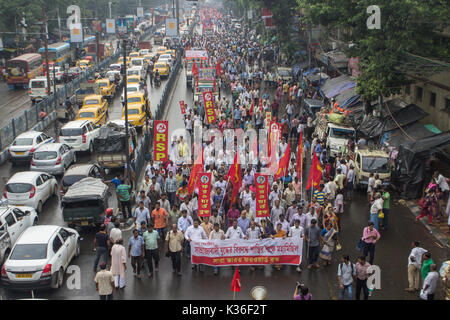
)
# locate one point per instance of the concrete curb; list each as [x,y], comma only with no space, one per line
[415,209]
[40,126]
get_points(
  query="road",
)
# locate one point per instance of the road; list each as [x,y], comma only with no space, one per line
[391,252]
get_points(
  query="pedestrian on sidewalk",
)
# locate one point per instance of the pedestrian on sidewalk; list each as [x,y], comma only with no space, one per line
[414,266]
[151,238]
[136,251]
[370,238]
[346,276]
[426,263]
[104,283]
[101,246]
[119,263]
[312,236]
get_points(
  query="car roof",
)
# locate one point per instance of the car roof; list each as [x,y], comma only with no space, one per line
[93,96]
[50,147]
[90,108]
[38,234]
[79,169]
[29,134]
[24,177]
[75,124]
[102,79]
[136,94]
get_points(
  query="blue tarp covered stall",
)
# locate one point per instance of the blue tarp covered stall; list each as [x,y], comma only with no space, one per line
[333,87]
[315,70]
[347,98]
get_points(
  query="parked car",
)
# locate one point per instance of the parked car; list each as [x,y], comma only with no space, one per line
[25,144]
[53,158]
[31,189]
[131,88]
[77,172]
[40,258]
[13,222]
[73,73]
[79,135]
[59,72]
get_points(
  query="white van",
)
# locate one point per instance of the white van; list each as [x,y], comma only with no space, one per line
[39,89]
[136,71]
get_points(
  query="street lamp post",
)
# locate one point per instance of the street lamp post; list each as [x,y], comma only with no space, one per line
[109,4]
[125,98]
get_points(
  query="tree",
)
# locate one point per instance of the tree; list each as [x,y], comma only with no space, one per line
[407,26]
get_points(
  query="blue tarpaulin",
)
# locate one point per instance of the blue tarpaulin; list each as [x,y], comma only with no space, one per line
[310,71]
[347,98]
[340,87]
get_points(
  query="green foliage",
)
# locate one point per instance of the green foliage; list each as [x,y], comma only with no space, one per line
[407,26]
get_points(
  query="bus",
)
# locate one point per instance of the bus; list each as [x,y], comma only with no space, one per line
[58,53]
[20,70]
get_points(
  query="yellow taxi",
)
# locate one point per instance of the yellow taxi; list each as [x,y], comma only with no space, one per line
[138,106]
[95,100]
[133,79]
[171,52]
[120,61]
[84,64]
[161,50]
[149,56]
[107,87]
[96,114]
[163,69]
[133,55]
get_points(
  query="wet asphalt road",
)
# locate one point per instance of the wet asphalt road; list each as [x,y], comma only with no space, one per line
[391,251]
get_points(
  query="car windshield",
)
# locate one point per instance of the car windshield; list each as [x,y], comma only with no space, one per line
[134,111]
[23,142]
[136,62]
[45,155]
[375,164]
[38,84]
[29,252]
[91,102]
[342,133]
[67,181]
[102,84]
[18,187]
[160,66]
[68,132]
[132,89]
[135,99]
[133,80]
[86,115]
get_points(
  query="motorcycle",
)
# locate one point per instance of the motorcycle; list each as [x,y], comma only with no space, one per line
[157,80]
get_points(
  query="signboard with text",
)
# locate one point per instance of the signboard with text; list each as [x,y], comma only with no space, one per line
[262,201]
[171,27]
[208,98]
[182,107]
[110,26]
[160,140]
[204,194]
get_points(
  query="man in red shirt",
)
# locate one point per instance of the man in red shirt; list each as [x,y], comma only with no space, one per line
[160,220]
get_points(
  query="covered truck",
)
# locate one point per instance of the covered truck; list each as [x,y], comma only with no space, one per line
[85,90]
[85,202]
[110,145]
[200,57]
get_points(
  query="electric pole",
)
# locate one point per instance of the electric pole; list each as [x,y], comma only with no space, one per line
[125,105]
[44,25]
[97,35]
[178,17]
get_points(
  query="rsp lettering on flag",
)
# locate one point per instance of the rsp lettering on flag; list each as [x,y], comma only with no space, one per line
[208,98]
[160,139]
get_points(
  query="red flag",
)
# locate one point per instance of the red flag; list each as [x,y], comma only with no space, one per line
[235,176]
[236,282]
[251,107]
[283,164]
[300,156]
[218,69]
[315,174]
[194,69]
[198,166]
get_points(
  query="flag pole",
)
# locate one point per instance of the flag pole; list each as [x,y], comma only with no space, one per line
[234,295]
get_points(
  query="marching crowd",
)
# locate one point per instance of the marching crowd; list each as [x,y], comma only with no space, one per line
[166,212]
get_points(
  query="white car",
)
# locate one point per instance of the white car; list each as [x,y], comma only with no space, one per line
[59,73]
[166,58]
[31,189]
[79,135]
[143,52]
[136,71]
[131,88]
[111,75]
[25,144]
[115,67]
[40,258]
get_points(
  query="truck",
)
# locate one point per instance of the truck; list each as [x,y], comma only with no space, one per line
[110,144]
[335,130]
[104,50]
[85,202]
[145,45]
[369,161]
[200,57]
[85,90]
[158,38]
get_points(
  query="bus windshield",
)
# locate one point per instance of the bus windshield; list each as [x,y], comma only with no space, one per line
[375,164]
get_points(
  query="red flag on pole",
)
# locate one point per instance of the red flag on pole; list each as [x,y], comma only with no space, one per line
[300,156]
[194,69]
[218,69]
[198,166]
[235,177]
[251,107]
[283,164]
[315,173]
[236,282]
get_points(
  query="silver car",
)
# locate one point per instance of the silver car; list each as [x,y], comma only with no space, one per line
[53,158]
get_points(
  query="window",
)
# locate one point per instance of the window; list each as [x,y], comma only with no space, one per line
[19,214]
[432,99]
[57,244]
[39,181]
[10,220]
[38,140]
[419,93]
[64,234]
[44,137]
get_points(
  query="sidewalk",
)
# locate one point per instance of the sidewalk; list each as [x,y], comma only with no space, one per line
[438,230]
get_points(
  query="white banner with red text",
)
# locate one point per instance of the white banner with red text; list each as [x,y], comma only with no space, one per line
[239,252]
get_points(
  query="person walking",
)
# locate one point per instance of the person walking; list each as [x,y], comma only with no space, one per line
[216,234]
[386,204]
[346,276]
[174,246]
[123,194]
[297,231]
[151,238]
[427,262]
[370,238]
[329,237]
[430,283]
[312,236]
[104,283]
[136,251]
[195,232]
[160,219]
[101,246]
[361,278]
[119,263]
[414,266]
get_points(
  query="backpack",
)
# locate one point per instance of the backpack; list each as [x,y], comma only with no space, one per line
[342,264]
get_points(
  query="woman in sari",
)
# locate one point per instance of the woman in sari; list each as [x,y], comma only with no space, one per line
[329,239]
[330,217]
[278,233]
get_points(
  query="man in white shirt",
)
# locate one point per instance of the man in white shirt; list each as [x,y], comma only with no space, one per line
[246,196]
[234,232]
[141,214]
[253,233]
[274,195]
[216,234]
[194,232]
[296,231]
[276,212]
[222,184]
[430,283]
[414,266]
[184,221]
[284,223]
